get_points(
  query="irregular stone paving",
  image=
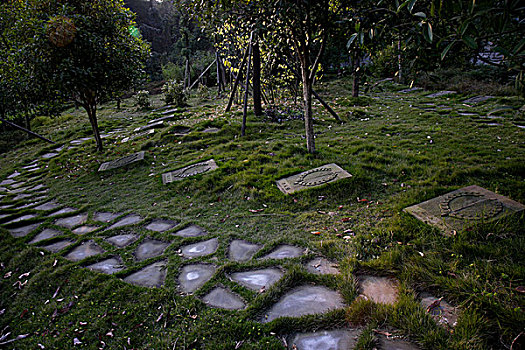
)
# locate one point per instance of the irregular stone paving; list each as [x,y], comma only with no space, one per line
[258,279]
[340,339]
[85,250]
[108,266]
[305,300]
[285,252]
[48,206]
[161,225]
[23,230]
[72,221]
[200,249]
[57,246]
[150,276]
[441,311]
[224,299]
[194,276]
[82,230]
[128,220]
[105,216]
[122,240]
[150,248]
[191,231]
[45,234]
[243,251]
[62,211]
[321,266]
[382,290]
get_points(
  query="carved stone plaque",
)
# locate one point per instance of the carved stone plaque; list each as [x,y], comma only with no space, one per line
[312,178]
[190,170]
[464,207]
[132,158]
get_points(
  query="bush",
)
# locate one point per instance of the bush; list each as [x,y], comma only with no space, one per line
[171,71]
[174,93]
[142,99]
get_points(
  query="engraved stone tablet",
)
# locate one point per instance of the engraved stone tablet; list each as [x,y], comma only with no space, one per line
[191,170]
[312,178]
[132,158]
[463,207]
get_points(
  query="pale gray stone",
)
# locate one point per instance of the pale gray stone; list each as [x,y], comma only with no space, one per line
[161,225]
[62,211]
[23,230]
[45,234]
[72,221]
[441,311]
[312,178]
[258,279]
[441,93]
[224,299]
[85,250]
[21,218]
[122,240]
[477,99]
[150,248]
[130,219]
[194,276]
[49,155]
[118,163]
[191,231]
[48,206]
[108,266]
[152,275]
[341,339]
[321,266]
[242,250]
[57,246]
[105,216]
[82,230]
[285,252]
[200,249]
[190,170]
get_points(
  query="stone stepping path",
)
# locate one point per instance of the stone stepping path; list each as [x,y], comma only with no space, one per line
[150,248]
[85,250]
[194,276]
[322,266]
[242,250]
[305,300]
[63,211]
[191,231]
[285,252]
[224,299]
[23,230]
[72,221]
[442,312]
[340,339]
[57,246]
[47,206]
[258,279]
[150,276]
[108,266]
[82,230]
[200,249]
[105,216]
[45,234]
[161,225]
[128,220]
[122,241]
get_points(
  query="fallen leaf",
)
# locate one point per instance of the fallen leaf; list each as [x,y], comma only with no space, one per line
[316,233]
[8,274]
[110,334]
[385,333]
[520,289]
[159,318]
[56,292]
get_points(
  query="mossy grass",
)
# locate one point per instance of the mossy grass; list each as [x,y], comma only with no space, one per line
[399,154]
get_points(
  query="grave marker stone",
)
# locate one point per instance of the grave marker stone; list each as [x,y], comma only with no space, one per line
[312,178]
[466,206]
[191,170]
[133,137]
[132,158]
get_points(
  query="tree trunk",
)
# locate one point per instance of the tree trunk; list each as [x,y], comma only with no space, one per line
[91,109]
[307,101]
[257,108]
[28,122]
[399,66]
[245,105]
[219,81]
[355,84]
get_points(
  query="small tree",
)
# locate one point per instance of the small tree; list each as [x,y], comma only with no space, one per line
[88,51]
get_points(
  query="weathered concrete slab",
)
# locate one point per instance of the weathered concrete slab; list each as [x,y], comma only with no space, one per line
[191,231]
[118,163]
[441,311]
[72,221]
[194,276]
[441,93]
[477,99]
[464,207]
[258,279]
[381,290]
[108,266]
[305,300]
[82,230]
[66,210]
[200,249]
[152,275]
[48,206]
[341,339]
[23,230]
[321,266]
[150,248]
[312,178]
[45,234]
[242,250]
[105,216]
[130,219]
[224,299]
[285,252]
[123,240]
[190,170]
[161,225]
[57,246]
[85,250]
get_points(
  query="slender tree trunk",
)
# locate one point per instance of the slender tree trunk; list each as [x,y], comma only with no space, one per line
[399,66]
[245,106]
[91,109]
[237,79]
[307,101]
[257,108]
[219,81]
[357,68]
[28,121]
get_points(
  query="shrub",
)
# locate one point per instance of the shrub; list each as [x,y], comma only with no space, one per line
[142,99]
[174,93]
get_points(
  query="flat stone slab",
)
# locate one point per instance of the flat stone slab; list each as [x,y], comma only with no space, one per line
[57,246]
[477,99]
[150,248]
[161,225]
[45,234]
[161,119]
[85,250]
[341,339]
[312,178]
[7,182]
[118,163]
[381,290]
[108,266]
[153,125]
[139,135]
[22,196]
[48,206]
[441,93]
[305,300]
[13,175]
[242,250]
[200,249]
[211,130]
[49,155]
[464,207]
[72,221]
[130,219]
[224,299]
[82,230]
[23,230]
[285,252]
[322,266]
[194,276]
[395,344]
[190,170]
[191,231]
[441,311]
[37,187]
[123,240]
[21,218]
[152,275]
[105,216]
[258,279]
[62,211]
[405,91]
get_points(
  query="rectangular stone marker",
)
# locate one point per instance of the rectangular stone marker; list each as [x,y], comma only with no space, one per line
[461,208]
[191,170]
[312,178]
[132,158]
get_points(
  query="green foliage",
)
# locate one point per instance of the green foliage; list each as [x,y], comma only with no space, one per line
[172,71]
[142,99]
[174,93]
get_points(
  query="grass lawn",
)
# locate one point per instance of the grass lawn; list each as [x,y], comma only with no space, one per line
[401,149]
